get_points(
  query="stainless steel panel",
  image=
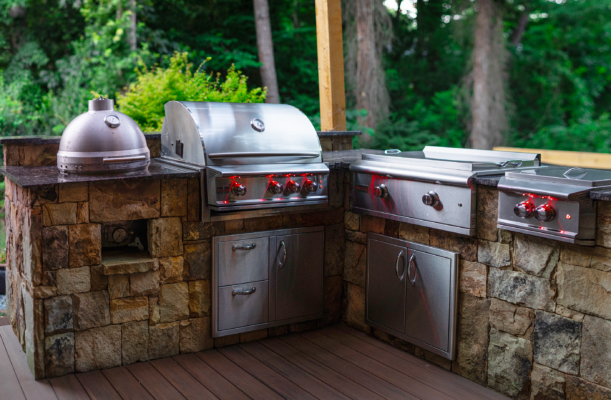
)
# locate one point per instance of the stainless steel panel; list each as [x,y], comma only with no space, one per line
[428,299]
[386,276]
[179,125]
[584,177]
[575,221]
[298,266]
[236,310]
[228,128]
[405,199]
[415,221]
[241,261]
[220,193]
[430,303]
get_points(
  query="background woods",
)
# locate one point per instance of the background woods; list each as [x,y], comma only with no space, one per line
[525,73]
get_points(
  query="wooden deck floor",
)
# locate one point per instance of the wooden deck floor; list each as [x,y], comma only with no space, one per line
[331,363]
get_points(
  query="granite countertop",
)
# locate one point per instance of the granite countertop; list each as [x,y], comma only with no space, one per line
[151,135]
[49,175]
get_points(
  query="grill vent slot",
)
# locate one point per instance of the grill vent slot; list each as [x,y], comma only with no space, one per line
[179,148]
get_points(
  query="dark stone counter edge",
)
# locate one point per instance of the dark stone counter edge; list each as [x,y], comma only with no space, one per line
[28,177]
[152,136]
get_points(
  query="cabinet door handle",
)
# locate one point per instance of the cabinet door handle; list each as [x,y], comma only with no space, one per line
[397,267]
[412,260]
[247,247]
[243,292]
[284,258]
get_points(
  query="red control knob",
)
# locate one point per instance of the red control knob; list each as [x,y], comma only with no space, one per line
[310,186]
[238,189]
[274,187]
[545,213]
[293,187]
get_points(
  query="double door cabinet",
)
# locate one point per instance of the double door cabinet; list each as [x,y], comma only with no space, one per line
[266,279]
[412,292]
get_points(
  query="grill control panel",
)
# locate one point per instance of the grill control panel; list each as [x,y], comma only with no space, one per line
[271,189]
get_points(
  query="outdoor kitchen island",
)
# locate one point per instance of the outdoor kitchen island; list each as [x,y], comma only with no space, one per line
[532,313]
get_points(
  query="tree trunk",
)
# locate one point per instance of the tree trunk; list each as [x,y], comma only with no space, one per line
[132,40]
[488,102]
[266,51]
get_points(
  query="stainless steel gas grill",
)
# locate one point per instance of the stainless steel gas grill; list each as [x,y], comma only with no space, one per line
[433,187]
[252,156]
[553,203]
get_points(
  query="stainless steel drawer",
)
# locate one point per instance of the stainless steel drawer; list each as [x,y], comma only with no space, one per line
[242,261]
[243,305]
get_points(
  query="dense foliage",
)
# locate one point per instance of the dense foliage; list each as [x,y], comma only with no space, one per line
[145,98]
[57,53]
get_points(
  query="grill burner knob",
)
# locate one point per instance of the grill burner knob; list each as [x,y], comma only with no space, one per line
[310,186]
[545,213]
[524,209]
[381,191]
[431,199]
[274,187]
[238,189]
[293,187]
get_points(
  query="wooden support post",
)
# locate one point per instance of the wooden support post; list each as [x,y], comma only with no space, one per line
[331,65]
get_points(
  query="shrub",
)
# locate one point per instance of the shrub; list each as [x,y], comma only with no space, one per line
[145,98]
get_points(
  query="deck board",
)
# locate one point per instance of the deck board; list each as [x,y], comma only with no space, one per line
[126,384]
[401,365]
[336,362]
[32,389]
[349,370]
[182,380]
[11,389]
[215,382]
[68,387]
[263,373]
[97,386]
[237,376]
[290,371]
[346,386]
[154,382]
[454,378]
[392,376]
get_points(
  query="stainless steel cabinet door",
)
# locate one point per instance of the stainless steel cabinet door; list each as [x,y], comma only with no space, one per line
[299,275]
[428,299]
[386,274]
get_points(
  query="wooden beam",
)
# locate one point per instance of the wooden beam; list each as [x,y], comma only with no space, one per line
[567,158]
[331,65]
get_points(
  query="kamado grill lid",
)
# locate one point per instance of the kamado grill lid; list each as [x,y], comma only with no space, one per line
[102,141]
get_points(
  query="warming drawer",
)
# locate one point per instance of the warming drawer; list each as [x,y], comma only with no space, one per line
[412,292]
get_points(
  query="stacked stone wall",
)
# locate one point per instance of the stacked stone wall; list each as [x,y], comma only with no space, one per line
[534,315]
[76,309]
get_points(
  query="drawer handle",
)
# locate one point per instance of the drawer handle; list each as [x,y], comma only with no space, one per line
[243,292]
[397,267]
[284,258]
[247,247]
[412,260]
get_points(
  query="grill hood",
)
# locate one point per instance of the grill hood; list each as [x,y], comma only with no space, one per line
[230,134]
[251,156]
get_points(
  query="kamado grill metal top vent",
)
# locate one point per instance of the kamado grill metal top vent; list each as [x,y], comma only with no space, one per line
[252,156]
[102,141]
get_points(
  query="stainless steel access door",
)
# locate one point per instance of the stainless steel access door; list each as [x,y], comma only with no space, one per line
[386,284]
[412,292]
[428,301]
[299,278]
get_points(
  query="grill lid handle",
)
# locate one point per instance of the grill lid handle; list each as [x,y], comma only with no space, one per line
[265,154]
[580,173]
